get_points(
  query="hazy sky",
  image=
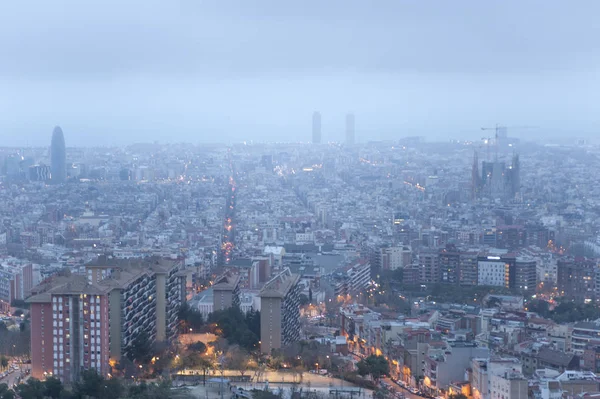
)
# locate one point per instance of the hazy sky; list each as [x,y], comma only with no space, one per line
[116,72]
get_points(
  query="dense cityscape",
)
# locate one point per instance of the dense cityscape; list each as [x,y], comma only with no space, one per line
[391,269]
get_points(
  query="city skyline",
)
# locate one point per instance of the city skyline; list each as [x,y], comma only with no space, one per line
[308,200]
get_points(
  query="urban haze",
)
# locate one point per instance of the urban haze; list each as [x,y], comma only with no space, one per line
[116,73]
[299,200]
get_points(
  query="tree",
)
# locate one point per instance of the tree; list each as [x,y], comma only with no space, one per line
[32,389]
[332,310]
[382,394]
[4,362]
[239,359]
[126,368]
[304,300]
[205,365]
[53,388]
[237,328]
[191,360]
[494,302]
[540,307]
[189,318]
[92,384]
[220,344]
[141,348]
[376,366]
[5,392]
[197,347]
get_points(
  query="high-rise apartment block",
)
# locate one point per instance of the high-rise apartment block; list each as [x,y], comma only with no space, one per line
[356,278]
[84,322]
[395,257]
[17,278]
[226,292]
[576,277]
[260,271]
[280,311]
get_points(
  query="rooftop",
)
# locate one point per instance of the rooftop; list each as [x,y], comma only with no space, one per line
[280,285]
[226,282]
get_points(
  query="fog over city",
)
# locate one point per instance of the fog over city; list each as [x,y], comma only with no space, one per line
[299,199]
[114,72]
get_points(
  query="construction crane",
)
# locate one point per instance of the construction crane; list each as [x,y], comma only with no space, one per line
[496,129]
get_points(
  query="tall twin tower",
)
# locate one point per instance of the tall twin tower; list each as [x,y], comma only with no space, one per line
[316,128]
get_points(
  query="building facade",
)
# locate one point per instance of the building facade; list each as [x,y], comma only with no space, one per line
[280,311]
[226,292]
[576,278]
[85,322]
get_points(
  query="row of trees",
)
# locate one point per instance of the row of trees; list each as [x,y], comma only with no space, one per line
[236,327]
[3,363]
[92,385]
[391,285]
[565,311]
[189,318]
[15,341]
[375,366]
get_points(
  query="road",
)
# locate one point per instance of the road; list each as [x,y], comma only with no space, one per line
[395,387]
[278,377]
[401,390]
[11,378]
[228,237]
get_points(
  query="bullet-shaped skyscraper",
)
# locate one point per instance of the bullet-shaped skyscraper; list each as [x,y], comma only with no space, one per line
[350,129]
[316,127]
[58,156]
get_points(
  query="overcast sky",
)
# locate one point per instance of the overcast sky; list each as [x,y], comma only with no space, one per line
[115,72]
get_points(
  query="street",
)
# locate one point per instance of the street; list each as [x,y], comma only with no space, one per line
[277,377]
[397,389]
[11,378]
